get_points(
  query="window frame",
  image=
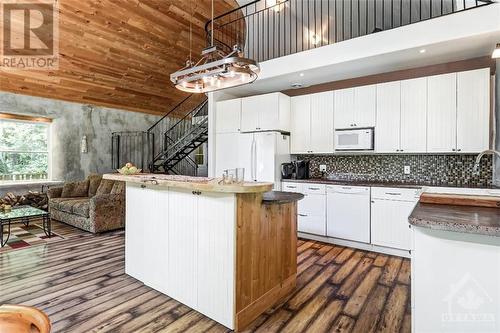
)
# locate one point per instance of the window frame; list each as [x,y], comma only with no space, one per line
[8,117]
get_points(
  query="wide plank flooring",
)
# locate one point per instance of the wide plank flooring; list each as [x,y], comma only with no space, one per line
[81,284]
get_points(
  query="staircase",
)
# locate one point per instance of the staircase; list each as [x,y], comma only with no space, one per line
[181,140]
[168,145]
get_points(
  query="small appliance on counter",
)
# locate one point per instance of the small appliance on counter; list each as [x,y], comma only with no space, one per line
[301,169]
[287,170]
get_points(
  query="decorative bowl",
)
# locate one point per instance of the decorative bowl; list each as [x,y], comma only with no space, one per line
[128,173]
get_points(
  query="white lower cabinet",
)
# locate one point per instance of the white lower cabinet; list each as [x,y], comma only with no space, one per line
[311,210]
[390,208]
[374,216]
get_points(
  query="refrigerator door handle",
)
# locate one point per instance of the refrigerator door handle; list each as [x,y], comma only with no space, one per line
[255,160]
[252,147]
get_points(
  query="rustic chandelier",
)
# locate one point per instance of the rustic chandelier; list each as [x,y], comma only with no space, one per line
[215,70]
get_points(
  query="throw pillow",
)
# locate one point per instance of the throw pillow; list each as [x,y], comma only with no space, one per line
[75,189]
[94,181]
[105,186]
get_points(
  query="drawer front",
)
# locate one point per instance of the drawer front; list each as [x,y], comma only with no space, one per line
[314,188]
[292,187]
[315,225]
[401,194]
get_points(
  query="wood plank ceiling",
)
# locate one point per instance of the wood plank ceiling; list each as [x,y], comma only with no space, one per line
[120,53]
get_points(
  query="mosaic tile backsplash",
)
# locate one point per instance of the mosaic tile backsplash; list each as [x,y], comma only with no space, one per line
[436,170]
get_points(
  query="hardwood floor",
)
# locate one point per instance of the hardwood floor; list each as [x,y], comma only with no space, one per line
[80,283]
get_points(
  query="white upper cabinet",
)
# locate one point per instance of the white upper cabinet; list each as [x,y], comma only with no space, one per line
[300,125]
[312,123]
[442,113]
[414,115]
[344,108]
[473,110]
[387,132]
[355,107]
[365,106]
[228,116]
[226,152]
[269,112]
[322,122]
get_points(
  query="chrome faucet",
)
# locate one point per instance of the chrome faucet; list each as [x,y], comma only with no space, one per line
[475,170]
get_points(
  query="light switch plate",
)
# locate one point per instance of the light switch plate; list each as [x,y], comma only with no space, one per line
[322,168]
[407,170]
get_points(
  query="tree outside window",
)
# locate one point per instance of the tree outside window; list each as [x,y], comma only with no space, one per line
[24,150]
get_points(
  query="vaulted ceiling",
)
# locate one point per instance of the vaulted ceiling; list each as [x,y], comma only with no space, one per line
[120,53]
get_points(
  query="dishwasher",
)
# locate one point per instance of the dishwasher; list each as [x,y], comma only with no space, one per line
[348,212]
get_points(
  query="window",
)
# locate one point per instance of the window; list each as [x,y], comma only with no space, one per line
[24,148]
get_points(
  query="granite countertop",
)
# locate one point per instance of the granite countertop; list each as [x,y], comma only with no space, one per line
[278,197]
[466,219]
[191,183]
[378,183]
[354,183]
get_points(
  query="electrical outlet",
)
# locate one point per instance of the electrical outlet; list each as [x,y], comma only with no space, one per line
[322,168]
[407,170]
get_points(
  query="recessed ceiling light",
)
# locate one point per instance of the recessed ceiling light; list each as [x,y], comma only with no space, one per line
[422,51]
[496,52]
[301,74]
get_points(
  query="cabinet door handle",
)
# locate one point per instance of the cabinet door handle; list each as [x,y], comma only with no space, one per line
[459,149]
[303,215]
[314,188]
[291,187]
[196,192]
[453,149]
[392,193]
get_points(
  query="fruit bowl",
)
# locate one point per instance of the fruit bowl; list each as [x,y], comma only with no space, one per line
[128,171]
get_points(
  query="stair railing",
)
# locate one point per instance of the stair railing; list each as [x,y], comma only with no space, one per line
[175,136]
[180,134]
[157,131]
[269,29]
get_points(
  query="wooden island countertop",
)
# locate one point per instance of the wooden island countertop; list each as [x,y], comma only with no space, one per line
[191,183]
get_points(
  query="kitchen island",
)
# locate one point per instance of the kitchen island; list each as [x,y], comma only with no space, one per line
[227,251]
[455,268]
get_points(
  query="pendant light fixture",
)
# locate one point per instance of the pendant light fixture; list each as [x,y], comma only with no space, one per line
[215,70]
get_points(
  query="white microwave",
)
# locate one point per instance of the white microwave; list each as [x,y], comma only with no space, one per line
[354,139]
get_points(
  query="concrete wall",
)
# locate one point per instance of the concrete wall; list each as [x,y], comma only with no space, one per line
[70,122]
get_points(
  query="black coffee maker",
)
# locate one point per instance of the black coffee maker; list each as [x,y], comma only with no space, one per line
[301,169]
[287,170]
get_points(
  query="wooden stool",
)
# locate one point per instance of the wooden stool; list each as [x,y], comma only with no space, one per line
[23,319]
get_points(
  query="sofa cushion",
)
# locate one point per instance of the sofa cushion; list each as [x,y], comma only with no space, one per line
[105,186]
[94,181]
[118,187]
[64,204]
[81,207]
[75,189]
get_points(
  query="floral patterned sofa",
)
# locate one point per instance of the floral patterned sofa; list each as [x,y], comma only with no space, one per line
[94,205]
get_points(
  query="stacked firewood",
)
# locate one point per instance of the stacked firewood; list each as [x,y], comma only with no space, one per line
[32,198]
